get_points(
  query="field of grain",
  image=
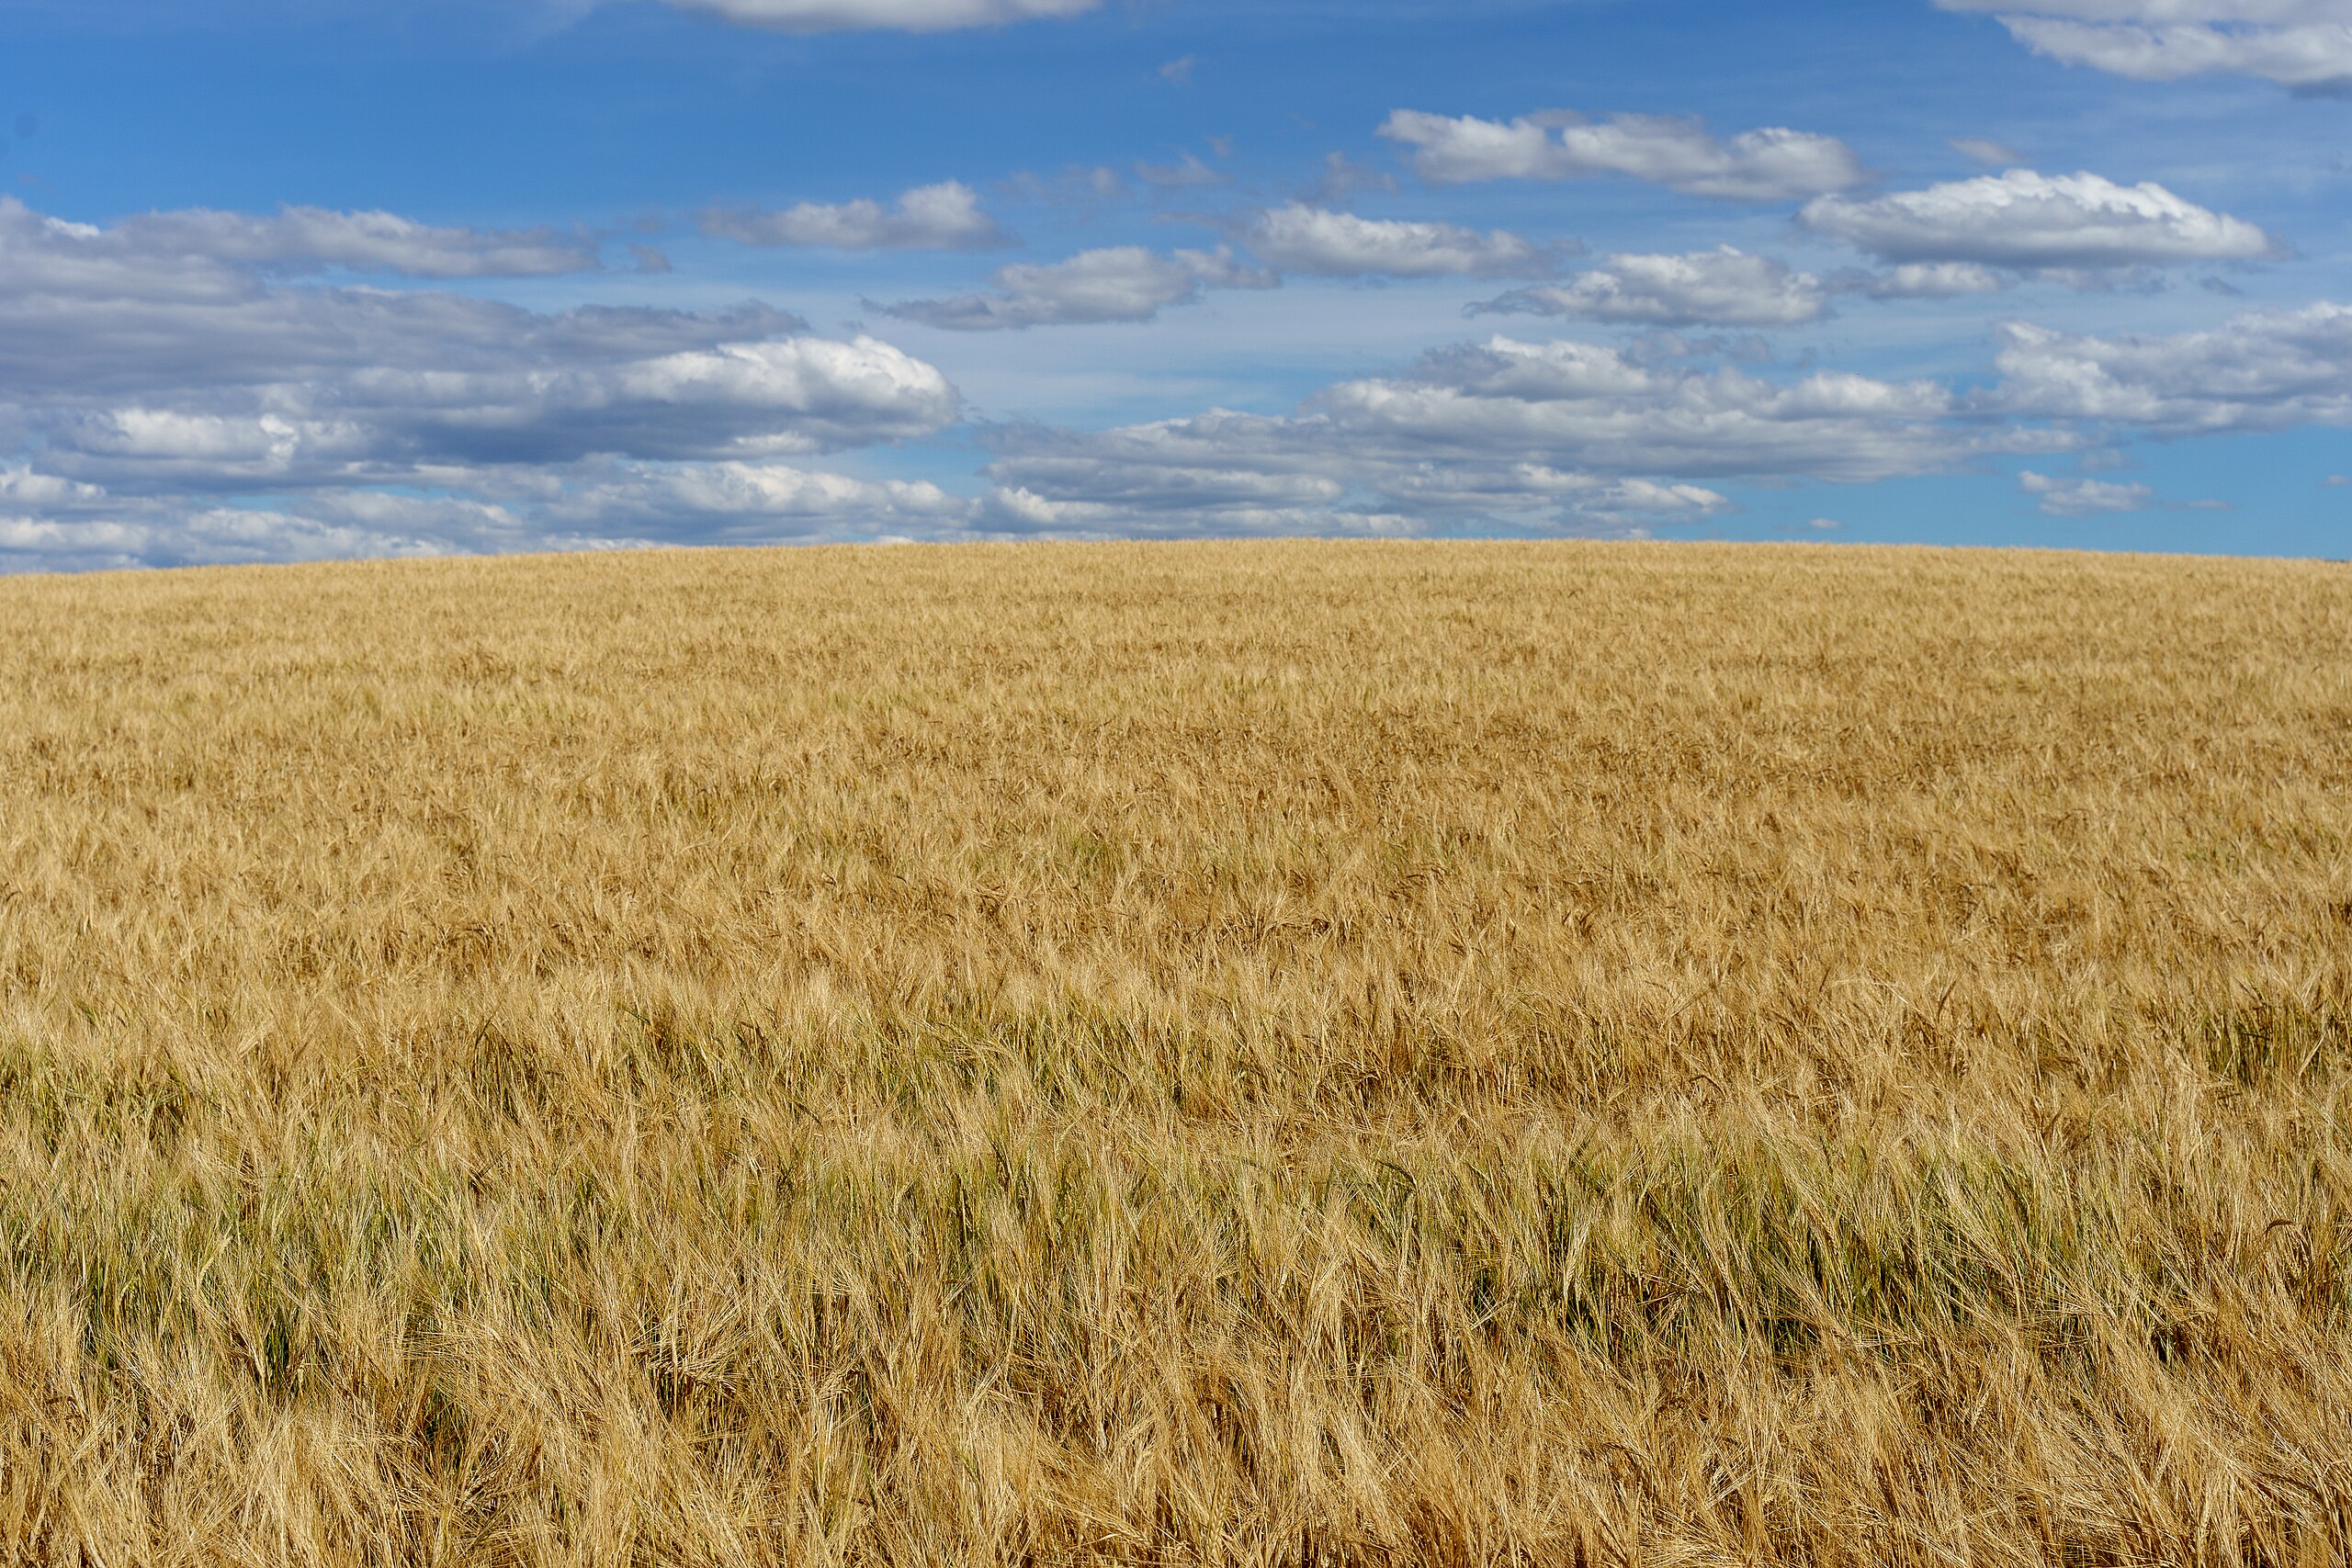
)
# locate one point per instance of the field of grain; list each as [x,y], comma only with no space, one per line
[1296,1054]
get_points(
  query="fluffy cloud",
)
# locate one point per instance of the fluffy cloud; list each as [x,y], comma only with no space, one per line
[150,368]
[2084,498]
[155,537]
[797,395]
[137,374]
[50,525]
[1594,408]
[2027,220]
[1921,280]
[601,506]
[946,217]
[1509,488]
[904,16]
[302,239]
[1022,511]
[202,252]
[740,502]
[1126,283]
[1298,238]
[2264,370]
[2304,44]
[90,313]
[1774,165]
[1719,288]
[1562,434]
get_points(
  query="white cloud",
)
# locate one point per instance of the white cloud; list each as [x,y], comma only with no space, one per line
[904,16]
[2084,498]
[2304,44]
[1174,486]
[1126,283]
[594,505]
[136,365]
[1725,287]
[1020,511]
[297,239]
[20,487]
[798,395]
[149,368]
[742,502]
[1592,408]
[97,530]
[945,217]
[2337,482]
[1980,149]
[1510,489]
[197,251]
[1773,164]
[1921,280]
[1298,238]
[1562,434]
[2029,220]
[2263,370]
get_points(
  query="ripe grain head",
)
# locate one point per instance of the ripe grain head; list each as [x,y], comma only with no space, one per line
[1230,1053]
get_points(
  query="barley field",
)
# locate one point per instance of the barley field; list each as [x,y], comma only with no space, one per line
[1296,1054]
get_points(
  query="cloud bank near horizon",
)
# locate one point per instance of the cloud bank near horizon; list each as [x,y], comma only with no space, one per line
[165,381]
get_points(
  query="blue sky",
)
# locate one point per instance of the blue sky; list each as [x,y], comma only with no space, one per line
[293,278]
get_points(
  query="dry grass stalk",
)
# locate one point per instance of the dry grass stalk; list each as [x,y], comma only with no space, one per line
[1225,1054]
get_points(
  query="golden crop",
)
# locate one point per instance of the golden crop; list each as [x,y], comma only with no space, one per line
[1298,1054]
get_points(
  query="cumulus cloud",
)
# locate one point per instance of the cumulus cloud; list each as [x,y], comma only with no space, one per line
[85,316]
[1509,489]
[139,376]
[1125,283]
[1774,165]
[1593,408]
[2027,220]
[1561,435]
[2303,44]
[597,505]
[202,243]
[1016,511]
[945,217]
[740,502]
[48,525]
[207,536]
[902,15]
[1921,280]
[1725,287]
[2084,498]
[1298,238]
[2264,371]
[797,395]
